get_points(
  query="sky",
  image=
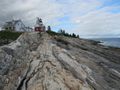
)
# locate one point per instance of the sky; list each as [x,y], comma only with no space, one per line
[88,18]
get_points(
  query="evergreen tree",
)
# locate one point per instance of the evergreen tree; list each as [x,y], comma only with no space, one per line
[49,28]
[61,31]
[73,35]
[78,36]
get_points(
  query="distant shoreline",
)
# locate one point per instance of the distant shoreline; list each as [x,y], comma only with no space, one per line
[110,42]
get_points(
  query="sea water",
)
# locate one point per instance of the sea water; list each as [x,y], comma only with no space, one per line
[114,42]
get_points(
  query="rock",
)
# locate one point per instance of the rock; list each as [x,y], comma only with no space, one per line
[38,61]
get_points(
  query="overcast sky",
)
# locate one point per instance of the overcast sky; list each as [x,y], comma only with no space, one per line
[89,18]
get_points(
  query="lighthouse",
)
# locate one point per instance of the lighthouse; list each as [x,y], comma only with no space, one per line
[39,26]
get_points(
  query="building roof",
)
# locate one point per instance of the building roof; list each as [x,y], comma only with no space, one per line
[13,22]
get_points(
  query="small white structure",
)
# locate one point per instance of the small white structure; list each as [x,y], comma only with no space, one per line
[16,25]
[39,27]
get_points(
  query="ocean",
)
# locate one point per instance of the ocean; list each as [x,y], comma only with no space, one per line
[114,42]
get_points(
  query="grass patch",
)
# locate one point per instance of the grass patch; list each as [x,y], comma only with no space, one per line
[52,33]
[8,36]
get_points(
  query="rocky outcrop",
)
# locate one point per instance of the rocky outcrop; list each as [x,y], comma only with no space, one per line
[38,61]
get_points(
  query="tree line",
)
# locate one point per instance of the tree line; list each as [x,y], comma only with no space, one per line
[61,32]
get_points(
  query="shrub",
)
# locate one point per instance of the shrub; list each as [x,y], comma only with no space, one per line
[52,32]
[8,36]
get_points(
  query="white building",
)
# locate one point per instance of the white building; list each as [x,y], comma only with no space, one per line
[16,25]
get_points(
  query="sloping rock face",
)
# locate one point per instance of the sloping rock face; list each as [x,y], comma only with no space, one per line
[38,61]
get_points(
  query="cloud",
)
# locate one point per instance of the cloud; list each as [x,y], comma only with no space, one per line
[94,19]
[84,17]
[28,10]
[98,23]
[80,7]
